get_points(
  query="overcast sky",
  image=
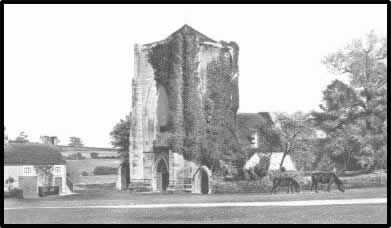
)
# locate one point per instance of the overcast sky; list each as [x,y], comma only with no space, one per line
[68,68]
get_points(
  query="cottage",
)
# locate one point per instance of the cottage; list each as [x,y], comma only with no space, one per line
[257,135]
[275,160]
[33,165]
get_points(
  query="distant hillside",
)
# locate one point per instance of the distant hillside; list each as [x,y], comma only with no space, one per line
[84,148]
[86,151]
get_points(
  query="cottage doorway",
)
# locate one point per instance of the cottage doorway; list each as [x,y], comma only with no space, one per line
[29,185]
[162,176]
[58,182]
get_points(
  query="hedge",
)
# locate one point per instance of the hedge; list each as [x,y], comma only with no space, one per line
[105,170]
[18,193]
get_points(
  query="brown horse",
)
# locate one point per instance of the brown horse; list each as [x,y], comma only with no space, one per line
[326,178]
[285,181]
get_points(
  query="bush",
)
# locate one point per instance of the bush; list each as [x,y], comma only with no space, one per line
[108,157]
[105,170]
[94,155]
[15,192]
[77,156]
[84,173]
[45,191]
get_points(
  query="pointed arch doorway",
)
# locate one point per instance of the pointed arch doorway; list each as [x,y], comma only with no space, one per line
[162,176]
[201,181]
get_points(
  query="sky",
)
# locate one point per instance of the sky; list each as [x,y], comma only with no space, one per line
[68,68]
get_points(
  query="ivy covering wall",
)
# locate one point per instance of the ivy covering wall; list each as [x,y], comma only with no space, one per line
[202,127]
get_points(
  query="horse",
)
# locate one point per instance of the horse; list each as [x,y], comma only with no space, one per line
[326,178]
[285,181]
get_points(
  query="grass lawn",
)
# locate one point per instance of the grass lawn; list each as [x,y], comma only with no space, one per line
[76,167]
[368,213]
[107,197]
[306,214]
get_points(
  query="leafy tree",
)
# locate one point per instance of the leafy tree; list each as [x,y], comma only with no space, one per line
[295,131]
[94,155]
[120,136]
[45,172]
[75,141]
[5,136]
[49,139]
[354,115]
[22,138]
[10,182]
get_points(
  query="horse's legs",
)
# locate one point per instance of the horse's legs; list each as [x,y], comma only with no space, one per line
[312,185]
[328,186]
[316,187]
[288,189]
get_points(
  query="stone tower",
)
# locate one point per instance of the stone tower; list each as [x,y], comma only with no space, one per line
[184,103]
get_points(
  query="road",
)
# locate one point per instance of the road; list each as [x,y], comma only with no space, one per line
[236,208]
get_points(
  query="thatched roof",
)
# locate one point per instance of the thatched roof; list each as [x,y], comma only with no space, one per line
[32,154]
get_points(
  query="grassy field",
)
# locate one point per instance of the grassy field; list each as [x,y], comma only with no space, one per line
[76,167]
[359,213]
[370,214]
[112,197]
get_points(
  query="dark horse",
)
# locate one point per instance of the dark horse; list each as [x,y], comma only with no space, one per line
[326,178]
[285,181]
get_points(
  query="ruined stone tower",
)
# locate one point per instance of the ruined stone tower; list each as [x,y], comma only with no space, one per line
[184,103]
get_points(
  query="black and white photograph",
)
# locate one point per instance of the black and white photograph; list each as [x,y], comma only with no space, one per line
[195,113]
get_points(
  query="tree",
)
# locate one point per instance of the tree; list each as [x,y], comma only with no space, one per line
[10,182]
[354,115]
[94,155]
[5,137]
[295,131]
[22,138]
[45,172]
[120,136]
[53,140]
[75,141]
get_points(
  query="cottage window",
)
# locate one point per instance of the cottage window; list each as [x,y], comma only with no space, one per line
[254,139]
[57,169]
[27,170]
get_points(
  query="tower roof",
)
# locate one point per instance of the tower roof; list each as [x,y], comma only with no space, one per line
[185,30]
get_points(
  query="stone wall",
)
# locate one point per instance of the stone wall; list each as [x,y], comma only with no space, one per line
[265,185]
